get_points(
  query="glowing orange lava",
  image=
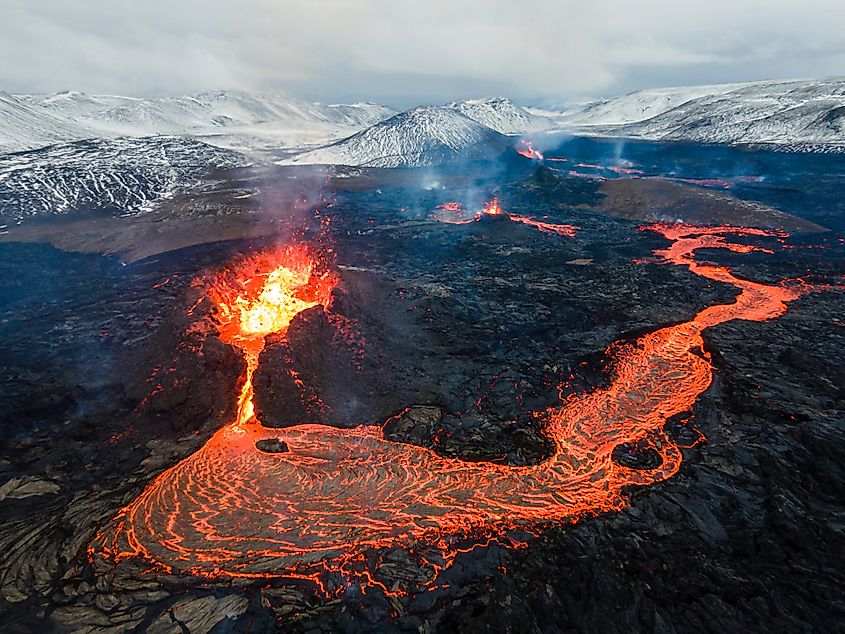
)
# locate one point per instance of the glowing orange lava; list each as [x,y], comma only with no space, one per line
[493,208]
[454,213]
[259,296]
[562,230]
[527,149]
[325,509]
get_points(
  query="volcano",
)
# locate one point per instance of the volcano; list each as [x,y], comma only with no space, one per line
[428,135]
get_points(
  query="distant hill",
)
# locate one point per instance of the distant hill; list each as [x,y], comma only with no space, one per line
[801,114]
[34,121]
[122,176]
[500,114]
[428,135]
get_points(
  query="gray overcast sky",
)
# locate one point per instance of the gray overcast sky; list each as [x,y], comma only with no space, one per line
[403,53]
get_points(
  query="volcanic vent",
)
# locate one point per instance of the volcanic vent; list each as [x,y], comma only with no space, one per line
[260,296]
[454,213]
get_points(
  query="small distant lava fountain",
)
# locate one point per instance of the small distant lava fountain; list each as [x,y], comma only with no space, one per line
[493,208]
[526,148]
[454,213]
[326,505]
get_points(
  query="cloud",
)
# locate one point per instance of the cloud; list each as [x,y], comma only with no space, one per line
[411,51]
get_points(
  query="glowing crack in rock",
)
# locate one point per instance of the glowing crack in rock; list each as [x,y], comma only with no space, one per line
[324,509]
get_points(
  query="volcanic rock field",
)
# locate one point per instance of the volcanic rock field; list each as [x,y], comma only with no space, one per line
[460,420]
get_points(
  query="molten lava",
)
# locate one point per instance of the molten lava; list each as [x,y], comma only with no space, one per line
[564,231]
[259,296]
[527,149]
[625,169]
[722,183]
[493,208]
[326,508]
[454,213]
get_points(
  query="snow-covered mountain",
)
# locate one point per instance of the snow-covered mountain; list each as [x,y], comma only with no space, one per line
[74,105]
[23,126]
[795,114]
[805,114]
[33,121]
[641,105]
[210,109]
[500,114]
[428,135]
[124,175]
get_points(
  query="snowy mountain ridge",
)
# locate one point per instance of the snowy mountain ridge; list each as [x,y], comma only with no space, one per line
[210,109]
[23,126]
[641,104]
[33,121]
[500,114]
[426,135]
[796,114]
[807,113]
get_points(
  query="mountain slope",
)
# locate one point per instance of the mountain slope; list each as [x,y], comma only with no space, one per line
[428,135]
[23,127]
[808,114]
[211,109]
[122,176]
[641,105]
[227,118]
[73,105]
[500,114]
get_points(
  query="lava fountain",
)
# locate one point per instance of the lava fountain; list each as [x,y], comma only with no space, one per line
[259,296]
[454,213]
[325,508]
[526,148]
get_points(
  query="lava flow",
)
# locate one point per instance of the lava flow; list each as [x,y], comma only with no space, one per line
[454,213]
[326,507]
[625,169]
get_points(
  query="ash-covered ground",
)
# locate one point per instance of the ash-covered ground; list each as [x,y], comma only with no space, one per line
[464,331]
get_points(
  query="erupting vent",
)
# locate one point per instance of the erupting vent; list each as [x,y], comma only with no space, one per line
[454,213]
[325,509]
[527,149]
[261,295]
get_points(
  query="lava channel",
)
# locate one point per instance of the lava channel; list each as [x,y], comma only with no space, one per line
[326,507]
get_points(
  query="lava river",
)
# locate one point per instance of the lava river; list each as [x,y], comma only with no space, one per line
[328,504]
